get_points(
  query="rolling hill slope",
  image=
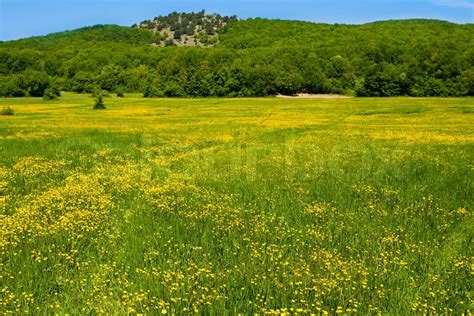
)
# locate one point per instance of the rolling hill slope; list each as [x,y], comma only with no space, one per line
[254,57]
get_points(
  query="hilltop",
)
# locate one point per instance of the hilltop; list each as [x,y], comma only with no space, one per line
[214,55]
[187,29]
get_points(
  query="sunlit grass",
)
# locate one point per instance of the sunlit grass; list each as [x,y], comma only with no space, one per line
[224,206]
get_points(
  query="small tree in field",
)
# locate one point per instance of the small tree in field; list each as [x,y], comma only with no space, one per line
[99,102]
[7,111]
[120,93]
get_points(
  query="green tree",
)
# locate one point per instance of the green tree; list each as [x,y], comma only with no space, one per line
[99,102]
[109,77]
[83,82]
[289,83]
[35,82]
[51,93]
[10,87]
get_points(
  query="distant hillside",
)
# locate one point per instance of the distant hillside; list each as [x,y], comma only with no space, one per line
[187,29]
[86,36]
[272,33]
[254,57]
[417,21]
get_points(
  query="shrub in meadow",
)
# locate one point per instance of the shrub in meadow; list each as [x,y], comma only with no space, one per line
[99,102]
[7,111]
[120,93]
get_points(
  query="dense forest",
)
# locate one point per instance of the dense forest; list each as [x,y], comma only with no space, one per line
[254,57]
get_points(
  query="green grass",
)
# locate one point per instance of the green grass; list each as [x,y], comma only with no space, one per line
[224,206]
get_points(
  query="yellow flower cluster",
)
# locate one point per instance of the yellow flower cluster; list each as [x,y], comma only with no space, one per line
[252,206]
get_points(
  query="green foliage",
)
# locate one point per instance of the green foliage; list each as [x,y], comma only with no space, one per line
[120,93]
[255,57]
[10,87]
[87,36]
[384,80]
[177,34]
[174,89]
[289,83]
[99,92]
[99,102]
[110,77]
[7,111]
[36,82]
[52,93]
[82,82]
[28,83]
[152,91]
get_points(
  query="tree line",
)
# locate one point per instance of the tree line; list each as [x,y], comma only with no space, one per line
[255,57]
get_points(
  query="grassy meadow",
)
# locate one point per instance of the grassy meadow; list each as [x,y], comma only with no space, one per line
[227,206]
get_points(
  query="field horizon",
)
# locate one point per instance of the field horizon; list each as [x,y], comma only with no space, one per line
[197,54]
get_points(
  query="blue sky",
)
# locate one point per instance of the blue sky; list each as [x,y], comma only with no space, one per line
[24,18]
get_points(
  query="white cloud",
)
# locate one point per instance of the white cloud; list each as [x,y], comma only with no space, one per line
[455,3]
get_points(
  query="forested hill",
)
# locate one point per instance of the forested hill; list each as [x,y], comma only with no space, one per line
[277,33]
[84,37]
[255,57]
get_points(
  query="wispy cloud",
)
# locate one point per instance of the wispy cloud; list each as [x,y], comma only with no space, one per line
[467,4]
